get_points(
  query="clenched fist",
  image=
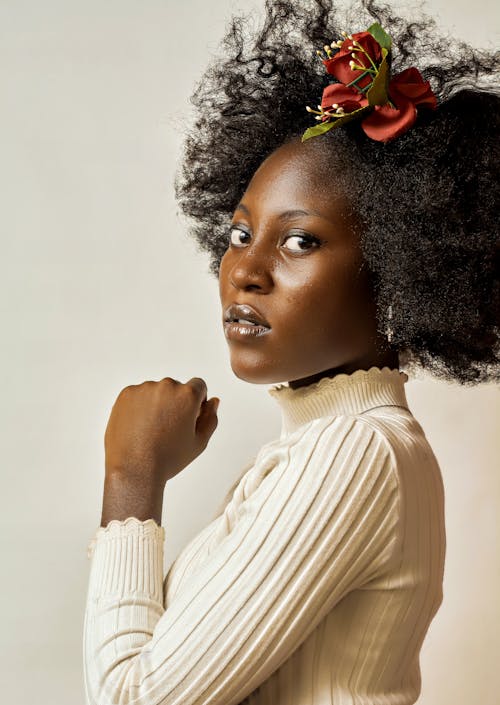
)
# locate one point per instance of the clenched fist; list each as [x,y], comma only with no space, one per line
[157,428]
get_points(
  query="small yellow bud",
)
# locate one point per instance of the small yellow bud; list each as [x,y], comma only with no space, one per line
[353,55]
[309,109]
[335,105]
[317,117]
[351,65]
[344,34]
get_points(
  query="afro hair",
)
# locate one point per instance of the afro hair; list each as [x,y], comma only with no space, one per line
[427,202]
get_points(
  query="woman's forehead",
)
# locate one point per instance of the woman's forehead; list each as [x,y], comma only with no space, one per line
[293,178]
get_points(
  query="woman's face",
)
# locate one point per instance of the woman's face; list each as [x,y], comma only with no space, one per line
[294,257]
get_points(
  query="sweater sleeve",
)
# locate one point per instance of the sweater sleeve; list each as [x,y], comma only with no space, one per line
[323,521]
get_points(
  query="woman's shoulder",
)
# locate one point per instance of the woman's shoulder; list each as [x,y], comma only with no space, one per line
[401,431]
[394,426]
[390,435]
[413,461]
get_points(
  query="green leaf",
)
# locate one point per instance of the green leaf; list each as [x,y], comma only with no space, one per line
[325,126]
[380,35]
[377,93]
[317,130]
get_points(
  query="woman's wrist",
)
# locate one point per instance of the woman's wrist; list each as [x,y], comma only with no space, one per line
[124,497]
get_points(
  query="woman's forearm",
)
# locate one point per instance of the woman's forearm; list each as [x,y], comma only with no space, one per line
[123,498]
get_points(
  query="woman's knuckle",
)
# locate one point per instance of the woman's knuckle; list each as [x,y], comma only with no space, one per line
[197,384]
[168,381]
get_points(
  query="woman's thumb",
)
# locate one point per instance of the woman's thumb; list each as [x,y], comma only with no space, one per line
[207,420]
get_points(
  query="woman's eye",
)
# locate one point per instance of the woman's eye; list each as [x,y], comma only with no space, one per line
[303,242]
[298,242]
[235,235]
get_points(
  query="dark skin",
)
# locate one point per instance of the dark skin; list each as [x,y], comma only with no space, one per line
[304,272]
[316,296]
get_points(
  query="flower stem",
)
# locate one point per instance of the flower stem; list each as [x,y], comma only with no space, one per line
[366,69]
[356,44]
[358,78]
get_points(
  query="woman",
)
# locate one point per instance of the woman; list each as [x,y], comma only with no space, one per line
[342,253]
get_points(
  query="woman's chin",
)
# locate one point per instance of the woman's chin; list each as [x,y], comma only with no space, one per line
[251,377]
[255,374]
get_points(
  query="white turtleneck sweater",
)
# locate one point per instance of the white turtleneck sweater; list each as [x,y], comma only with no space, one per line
[315,585]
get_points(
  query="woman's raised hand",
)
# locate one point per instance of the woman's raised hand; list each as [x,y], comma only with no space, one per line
[157,428]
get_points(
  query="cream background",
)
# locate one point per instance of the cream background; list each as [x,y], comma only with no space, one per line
[103,289]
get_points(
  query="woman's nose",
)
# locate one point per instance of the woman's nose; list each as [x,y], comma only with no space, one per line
[252,268]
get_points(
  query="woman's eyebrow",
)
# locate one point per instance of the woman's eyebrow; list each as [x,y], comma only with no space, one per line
[286,215]
[242,207]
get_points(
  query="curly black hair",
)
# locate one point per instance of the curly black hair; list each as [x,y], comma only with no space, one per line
[427,201]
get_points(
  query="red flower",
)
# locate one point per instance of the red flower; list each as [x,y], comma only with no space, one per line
[338,65]
[386,105]
[406,90]
[342,96]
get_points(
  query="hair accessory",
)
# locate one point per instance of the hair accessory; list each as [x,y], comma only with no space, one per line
[387,105]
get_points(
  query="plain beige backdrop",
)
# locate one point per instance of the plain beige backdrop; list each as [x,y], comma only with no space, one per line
[102,289]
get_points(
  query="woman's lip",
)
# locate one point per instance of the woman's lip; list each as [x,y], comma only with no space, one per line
[244,331]
[241,311]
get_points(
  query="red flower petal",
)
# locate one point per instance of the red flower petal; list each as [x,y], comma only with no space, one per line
[338,65]
[338,93]
[384,123]
[410,84]
[367,41]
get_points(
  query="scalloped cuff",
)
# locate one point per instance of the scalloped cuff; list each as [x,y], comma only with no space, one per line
[127,557]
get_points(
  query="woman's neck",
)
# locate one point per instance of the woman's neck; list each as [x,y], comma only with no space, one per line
[387,358]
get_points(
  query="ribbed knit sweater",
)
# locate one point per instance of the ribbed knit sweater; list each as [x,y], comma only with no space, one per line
[316,584]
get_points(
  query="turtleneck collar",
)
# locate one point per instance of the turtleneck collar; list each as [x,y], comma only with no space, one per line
[342,394]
